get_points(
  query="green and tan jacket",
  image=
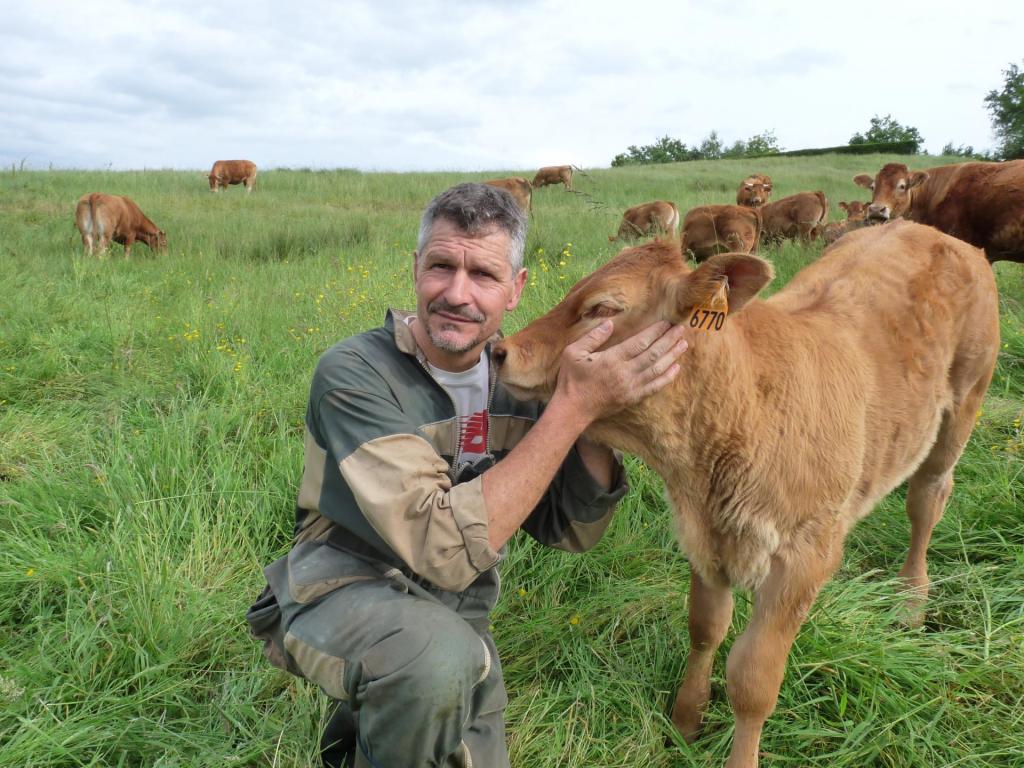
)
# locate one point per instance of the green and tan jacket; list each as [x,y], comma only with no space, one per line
[379,476]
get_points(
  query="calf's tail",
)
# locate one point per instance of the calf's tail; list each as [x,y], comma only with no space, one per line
[97,222]
[673,220]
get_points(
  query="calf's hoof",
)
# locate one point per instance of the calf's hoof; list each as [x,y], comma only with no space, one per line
[688,722]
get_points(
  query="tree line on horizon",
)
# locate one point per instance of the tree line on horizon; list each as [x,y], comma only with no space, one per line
[1005,105]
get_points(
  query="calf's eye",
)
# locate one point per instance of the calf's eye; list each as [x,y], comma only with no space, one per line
[602,310]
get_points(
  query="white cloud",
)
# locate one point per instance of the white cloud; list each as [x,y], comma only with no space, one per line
[471,85]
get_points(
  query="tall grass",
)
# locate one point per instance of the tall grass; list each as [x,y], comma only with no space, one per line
[150,452]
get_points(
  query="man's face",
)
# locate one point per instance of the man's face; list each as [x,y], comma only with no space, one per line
[464,285]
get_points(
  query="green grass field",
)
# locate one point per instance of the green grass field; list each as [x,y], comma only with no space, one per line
[150,453]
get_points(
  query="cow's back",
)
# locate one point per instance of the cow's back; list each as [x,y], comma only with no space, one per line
[915,314]
[711,229]
[900,281]
[518,187]
[801,214]
[114,214]
[649,218]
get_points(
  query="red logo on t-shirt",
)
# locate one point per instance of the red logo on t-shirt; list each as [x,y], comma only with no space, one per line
[474,433]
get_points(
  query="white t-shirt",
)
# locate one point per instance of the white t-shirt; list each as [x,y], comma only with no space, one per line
[468,390]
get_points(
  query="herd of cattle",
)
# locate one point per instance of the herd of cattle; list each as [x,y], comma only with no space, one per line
[801,411]
[981,203]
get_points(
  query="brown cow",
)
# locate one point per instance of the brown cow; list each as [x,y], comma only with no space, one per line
[789,424]
[228,172]
[656,217]
[801,215]
[101,218]
[856,217]
[711,229]
[982,203]
[754,190]
[518,187]
[554,174]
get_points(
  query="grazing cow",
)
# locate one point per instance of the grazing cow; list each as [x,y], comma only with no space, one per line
[754,190]
[518,187]
[856,217]
[554,174]
[228,172]
[787,424]
[101,218]
[711,229]
[656,217]
[981,203]
[801,215]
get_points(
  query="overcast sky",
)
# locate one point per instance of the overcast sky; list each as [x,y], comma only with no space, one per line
[427,85]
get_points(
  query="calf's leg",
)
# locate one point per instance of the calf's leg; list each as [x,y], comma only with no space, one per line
[710,616]
[928,491]
[757,660]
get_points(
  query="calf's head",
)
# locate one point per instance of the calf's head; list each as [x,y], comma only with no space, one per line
[638,287]
[754,191]
[892,190]
[157,241]
[855,211]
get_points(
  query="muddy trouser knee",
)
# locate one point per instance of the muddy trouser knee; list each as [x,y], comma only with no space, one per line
[423,686]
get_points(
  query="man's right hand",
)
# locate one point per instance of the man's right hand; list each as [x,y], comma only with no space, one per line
[599,383]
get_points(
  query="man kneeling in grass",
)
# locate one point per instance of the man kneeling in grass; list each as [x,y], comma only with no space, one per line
[418,469]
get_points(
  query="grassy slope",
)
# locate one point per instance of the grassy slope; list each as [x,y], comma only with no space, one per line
[150,451]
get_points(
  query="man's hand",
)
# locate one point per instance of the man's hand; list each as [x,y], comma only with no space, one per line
[600,383]
[591,384]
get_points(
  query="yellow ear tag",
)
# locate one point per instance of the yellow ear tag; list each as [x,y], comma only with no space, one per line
[710,314]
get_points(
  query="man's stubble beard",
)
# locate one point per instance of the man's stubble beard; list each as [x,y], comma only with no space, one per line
[444,344]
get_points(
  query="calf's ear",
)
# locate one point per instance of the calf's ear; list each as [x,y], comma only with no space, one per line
[844,206]
[743,274]
[917,178]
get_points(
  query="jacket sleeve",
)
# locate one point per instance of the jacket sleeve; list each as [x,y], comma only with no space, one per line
[576,510]
[402,488]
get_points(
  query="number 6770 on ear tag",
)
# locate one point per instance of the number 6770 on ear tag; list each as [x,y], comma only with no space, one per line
[710,314]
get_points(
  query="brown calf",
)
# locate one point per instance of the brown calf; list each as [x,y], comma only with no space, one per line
[801,215]
[789,424]
[518,187]
[856,217]
[981,203]
[754,190]
[711,229]
[227,172]
[101,218]
[554,174]
[656,217]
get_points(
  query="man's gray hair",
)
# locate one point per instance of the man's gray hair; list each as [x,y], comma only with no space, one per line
[477,209]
